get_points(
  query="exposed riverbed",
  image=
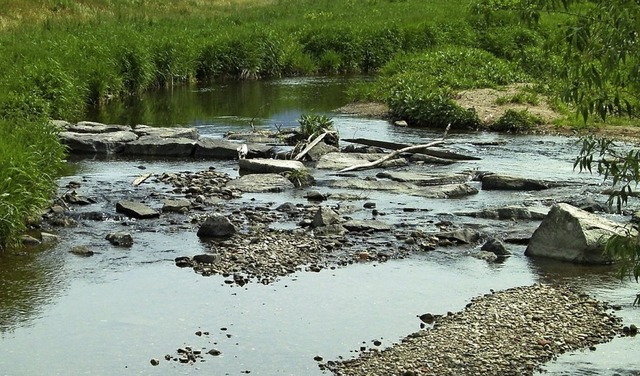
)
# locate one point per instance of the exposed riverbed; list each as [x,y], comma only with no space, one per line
[115,311]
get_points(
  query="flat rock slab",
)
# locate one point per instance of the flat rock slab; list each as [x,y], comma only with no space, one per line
[97,143]
[160,147]
[442,191]
[424,179]
[512,183]
[166,132]
[263,166]
[509,212]
[338,161]
[136,210]
[366,225]
[176,206]
[258,183]
[93,127]
[214,148]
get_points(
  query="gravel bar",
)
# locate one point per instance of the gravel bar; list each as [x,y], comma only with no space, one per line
[512,332]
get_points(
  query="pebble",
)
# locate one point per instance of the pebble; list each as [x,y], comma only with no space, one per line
[496,334]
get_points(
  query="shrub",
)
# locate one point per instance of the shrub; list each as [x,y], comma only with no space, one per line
[516,121]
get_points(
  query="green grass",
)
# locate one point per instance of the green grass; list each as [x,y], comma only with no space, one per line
[58,56]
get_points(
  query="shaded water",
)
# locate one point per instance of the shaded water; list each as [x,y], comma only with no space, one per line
[111,313]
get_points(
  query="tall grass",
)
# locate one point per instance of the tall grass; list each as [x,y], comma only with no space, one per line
[30,159]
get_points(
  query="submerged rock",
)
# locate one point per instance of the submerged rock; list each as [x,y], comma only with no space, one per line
[120,239]
[572,234]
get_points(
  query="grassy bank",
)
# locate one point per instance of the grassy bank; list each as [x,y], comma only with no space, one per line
[61,55]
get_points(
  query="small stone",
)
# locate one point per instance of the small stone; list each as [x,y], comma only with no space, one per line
[214,352]
[369,205]
[155,362]
[317,358]
[427,318]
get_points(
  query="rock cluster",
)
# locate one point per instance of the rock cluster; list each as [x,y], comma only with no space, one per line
[263,256]
[512,332]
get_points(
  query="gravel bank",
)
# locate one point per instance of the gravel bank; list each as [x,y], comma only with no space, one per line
[512,332]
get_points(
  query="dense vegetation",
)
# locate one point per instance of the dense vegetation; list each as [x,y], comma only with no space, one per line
[61,55]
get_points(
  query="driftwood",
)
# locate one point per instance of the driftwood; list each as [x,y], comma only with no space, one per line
[141,179]
[310,146]
[396,153]
[397,146]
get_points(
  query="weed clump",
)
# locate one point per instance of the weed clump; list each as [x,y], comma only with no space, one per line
[516,121]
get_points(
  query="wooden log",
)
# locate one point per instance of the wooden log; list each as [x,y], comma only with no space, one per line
[141,179]
[390,156]
[310,146]
[397,146]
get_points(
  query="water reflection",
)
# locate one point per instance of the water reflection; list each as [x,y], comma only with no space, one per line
[29,280]
[231,103]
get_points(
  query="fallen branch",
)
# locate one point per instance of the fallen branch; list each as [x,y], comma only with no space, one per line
[310,146]
[141,179]
[396,153]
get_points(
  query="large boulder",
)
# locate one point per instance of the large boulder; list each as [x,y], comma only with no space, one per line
[572,234]
[160,147]
[98,143]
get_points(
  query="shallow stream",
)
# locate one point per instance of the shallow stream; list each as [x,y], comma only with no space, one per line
[110,314]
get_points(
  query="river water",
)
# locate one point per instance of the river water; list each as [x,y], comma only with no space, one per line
[110,314]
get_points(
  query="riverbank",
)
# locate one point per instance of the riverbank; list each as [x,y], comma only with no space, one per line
[511,332]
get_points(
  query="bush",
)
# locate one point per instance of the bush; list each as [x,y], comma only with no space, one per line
[516,121]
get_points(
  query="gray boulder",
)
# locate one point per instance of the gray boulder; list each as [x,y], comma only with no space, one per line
[572,234]
[495,246]
[216,226]
[325,217]
[321,149]
[176,206]
[264,166]
[160,147]
[136,210]
[511,183]
[260,183]
[98,143]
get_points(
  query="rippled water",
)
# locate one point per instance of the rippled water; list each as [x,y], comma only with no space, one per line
[111,313]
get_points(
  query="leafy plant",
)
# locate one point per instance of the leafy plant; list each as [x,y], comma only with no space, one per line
[312,125]
[516,121]
[300,178]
